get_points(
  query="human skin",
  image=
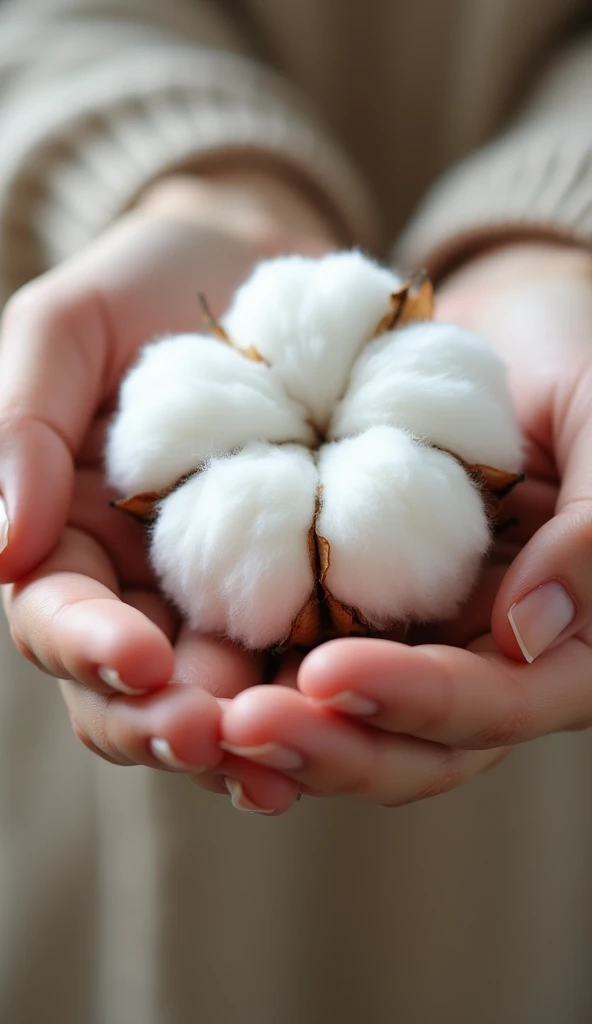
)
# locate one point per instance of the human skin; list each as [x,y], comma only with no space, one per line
[423,719]
[85,607]
[85,598]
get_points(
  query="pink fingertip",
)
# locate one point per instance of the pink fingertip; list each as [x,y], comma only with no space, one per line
[111,677]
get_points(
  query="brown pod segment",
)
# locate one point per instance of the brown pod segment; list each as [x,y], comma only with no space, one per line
[323,616]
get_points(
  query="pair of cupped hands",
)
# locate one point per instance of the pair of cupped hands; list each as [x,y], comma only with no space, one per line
[388,722]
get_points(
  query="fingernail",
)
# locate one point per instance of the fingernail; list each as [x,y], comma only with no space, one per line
[4,525]
[269,754]
[240,801]
[112,678]
[540,617]
[162,751]
[350,703]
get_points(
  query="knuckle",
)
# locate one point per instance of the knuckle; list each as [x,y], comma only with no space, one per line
[514,727]
[439,713]
[452,772]
[87,742]
[432,715]
[61,318]
[25,650]
[359,785]
[581,525]
[373,775]
[33,301]
[89,715]
[500,757]
[581,723]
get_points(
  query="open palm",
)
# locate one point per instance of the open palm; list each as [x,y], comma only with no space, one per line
[387,721]
[86,609]
[395,723]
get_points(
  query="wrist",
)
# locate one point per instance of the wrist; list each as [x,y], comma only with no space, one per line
[254,206]
[512,261]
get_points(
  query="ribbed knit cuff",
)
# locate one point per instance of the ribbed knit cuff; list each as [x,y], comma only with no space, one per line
[531,183]
[100,137]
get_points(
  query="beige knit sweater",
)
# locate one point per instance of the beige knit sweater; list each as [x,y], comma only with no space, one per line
[130,897]
[368,102]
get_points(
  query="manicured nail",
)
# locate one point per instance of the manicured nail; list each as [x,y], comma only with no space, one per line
[112,678]
[269,754]
[4,526]
[540,617]
[350,703]
[163,752]
[240,801]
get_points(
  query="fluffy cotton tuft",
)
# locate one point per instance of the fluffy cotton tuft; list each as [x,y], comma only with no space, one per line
[443,384]
[406,527]
[310,318]
[189,398]
[231,544]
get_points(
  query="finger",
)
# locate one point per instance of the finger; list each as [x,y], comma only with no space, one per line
[154,607]
[224,670]
[92,447]
[122,536]
[469,699]
[169,730]
[53,357]
[36,484]
[529,506]
[279,727]
[175,729]
[68,617]
[53,354]
[215,664]
[251,787]
[286,672]
[547,593]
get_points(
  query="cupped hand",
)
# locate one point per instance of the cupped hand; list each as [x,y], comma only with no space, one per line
[81,601]
[396,723]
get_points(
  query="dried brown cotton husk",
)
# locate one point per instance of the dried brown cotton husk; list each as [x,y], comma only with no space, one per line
[323,615]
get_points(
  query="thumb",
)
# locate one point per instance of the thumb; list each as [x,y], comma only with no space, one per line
[546,595]
[52,358]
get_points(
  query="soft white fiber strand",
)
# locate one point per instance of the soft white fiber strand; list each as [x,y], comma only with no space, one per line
[406,527]
[310,318]
[188,398]
[231,544]
[443,384]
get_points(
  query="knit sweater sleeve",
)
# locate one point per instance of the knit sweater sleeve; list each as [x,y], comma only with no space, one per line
[533,180]
[100,97]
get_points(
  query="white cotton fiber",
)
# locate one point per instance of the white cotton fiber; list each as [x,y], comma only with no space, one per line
[189,398]
[310,318]
[441,383]
[335,406]
[406,527]
[231,545]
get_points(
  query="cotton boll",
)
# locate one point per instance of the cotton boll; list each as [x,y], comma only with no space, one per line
[406,527]
[310,318]
[190,397]
[231,544]
[442,384]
